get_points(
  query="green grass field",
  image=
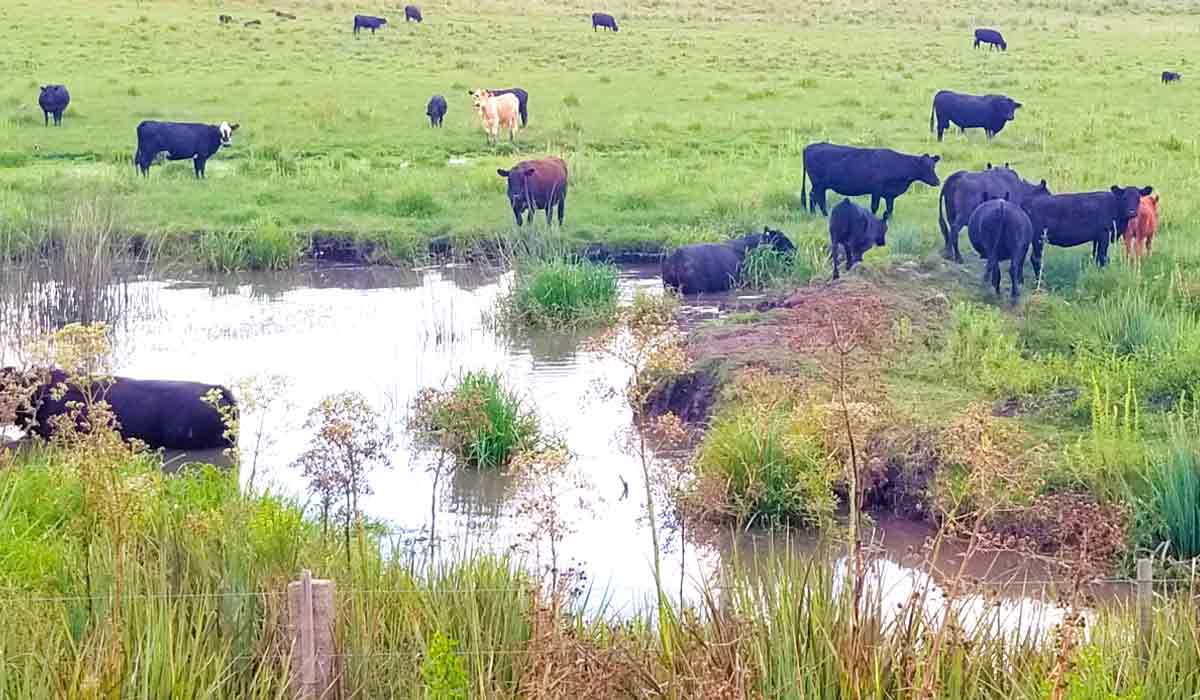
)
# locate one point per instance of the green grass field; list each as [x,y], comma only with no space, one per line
[686,125]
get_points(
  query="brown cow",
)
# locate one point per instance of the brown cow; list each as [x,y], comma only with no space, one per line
[537,184]
[1141,228]
[496,111]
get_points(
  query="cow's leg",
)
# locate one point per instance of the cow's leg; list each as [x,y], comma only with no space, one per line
[955,233]
[994,271]
[46,116]
[819,198]
[874,203]
[891,202]
[1149,242]
[1102,250]
[833,254]
[1039,243]
[941,128]
[562,210]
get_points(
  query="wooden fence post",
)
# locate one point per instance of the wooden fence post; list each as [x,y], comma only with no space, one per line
[311,624]
[1145,604]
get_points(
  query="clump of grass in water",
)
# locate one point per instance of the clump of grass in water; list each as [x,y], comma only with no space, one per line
[482,422]
[561,292]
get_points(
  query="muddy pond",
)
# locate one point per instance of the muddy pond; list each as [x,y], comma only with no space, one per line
[388,333]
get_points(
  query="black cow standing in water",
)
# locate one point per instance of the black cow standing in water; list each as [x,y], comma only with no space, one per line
[180,141]
[168,414]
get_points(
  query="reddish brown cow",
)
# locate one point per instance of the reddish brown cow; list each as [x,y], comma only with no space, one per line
[1141,228]
[537,184]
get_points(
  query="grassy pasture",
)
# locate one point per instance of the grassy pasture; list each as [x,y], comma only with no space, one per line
[687,124]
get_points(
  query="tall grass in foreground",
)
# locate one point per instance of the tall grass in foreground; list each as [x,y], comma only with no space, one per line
[764,267]
[145,585]
[561,292]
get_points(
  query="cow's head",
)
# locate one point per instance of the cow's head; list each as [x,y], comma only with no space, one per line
[518,185]
[1128,199]
[226,130]
[480,97]
[1008,109]
[777,240]
[926,169]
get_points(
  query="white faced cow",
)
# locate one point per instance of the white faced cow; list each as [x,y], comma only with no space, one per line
[181,141]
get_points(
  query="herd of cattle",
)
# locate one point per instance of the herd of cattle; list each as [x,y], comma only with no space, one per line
[1006,216]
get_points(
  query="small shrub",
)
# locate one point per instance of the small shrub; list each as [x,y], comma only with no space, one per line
[442,671]
[416,205]
[571,100]
[483,423]
[270,247]
[561,291]
[1130,324]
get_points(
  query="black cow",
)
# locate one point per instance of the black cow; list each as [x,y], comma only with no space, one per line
[1001,230]
[253,23]
[522,101]
[225,19]
[180,141]
[169,414]
[1068,220]
[53,99]
[715,267]
[368,22]
[963,191]
[879,172]
[603,19]
[537,184]
[412,13]
[987,112]
[990,37]
[856,230]
[1170,76]
[436,110]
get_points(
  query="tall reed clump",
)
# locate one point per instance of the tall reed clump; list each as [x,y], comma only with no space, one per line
[1175,482]
[560,292]
[768,458]
[764,267]
[479,420]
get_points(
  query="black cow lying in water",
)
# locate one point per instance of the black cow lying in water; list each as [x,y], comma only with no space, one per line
[1000,230]
[987,112]
[173,415]
[855,230]
[180,141]
[963,191]
[1068,220]
[716,267]
[880,172]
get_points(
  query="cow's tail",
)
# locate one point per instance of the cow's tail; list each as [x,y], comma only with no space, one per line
[803,183]
[932,112]
[943,223]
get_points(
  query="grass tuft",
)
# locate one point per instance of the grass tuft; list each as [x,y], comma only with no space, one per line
[561,292]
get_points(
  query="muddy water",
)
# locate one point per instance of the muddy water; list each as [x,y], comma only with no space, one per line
[388,333]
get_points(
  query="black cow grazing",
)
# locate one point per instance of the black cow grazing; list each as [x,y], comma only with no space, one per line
[436,110]
[855,230]
[168,414]
[53,99]
[368,22]
[1001,230]
[1068,220]
[522,101]
[225,19]
[879,172]
[180,141]
[603,19]
[537,184]
[963,191]
[716,267]
[987,112]
[1170,76]
[990,37]
[412,13]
